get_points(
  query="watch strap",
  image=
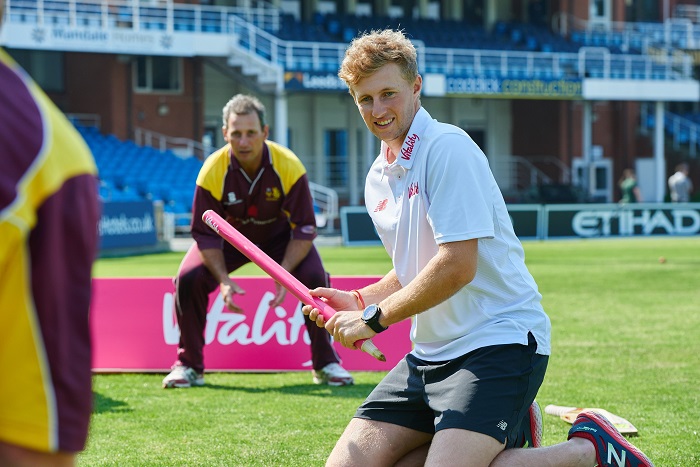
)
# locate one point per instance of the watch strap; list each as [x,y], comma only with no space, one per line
[373,322]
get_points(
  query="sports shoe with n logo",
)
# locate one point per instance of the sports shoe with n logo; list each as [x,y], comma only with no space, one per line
[611,448]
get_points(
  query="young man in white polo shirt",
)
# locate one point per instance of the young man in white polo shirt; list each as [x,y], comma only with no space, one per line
[481,338]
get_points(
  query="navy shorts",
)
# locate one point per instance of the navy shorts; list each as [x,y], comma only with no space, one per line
[488,390]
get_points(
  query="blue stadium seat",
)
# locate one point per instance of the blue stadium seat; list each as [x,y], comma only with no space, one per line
[127,171]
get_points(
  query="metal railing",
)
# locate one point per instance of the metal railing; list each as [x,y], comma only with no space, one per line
[682,131]
[166,16]
[250,29]
[675,32]
[521,173]
[557,170]
[589,62]
[326,200]
[690,12]
[182,147]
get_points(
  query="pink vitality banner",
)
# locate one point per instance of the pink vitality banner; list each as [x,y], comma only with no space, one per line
[134,329]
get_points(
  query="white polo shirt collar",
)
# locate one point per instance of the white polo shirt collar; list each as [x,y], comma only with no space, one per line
[411,145]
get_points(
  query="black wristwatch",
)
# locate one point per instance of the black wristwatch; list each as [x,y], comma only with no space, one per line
[371,318]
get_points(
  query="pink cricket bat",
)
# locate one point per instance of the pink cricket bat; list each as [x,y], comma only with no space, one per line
[278,273]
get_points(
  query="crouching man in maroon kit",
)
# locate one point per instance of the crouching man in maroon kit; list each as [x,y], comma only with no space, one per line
[260,188]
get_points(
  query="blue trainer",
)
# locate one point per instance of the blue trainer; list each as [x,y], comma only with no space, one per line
[611,448]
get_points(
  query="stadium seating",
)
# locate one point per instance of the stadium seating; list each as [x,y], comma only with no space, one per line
[445,33]
[681,129]
[129,172]
[493,53]
[637,37]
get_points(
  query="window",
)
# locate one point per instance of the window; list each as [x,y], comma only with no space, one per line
[473,12]
[599,12]
[45,67]
[478,135]
[158,74]
[335,149]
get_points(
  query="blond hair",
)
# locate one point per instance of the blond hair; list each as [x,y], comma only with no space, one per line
[371,51]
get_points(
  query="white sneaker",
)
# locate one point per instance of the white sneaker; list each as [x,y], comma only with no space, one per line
[333,375]
[183,377]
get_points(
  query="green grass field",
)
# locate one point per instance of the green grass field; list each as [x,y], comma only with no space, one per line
[626,337]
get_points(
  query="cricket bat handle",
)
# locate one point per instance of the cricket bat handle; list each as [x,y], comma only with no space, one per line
[366,345]
[278,273]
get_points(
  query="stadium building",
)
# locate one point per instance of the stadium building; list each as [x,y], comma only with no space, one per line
[562,96]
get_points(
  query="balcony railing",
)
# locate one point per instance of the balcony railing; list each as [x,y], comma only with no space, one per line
[683,131]
[182,147]
[587,63]
[677,32]
[165,16]
[253,29]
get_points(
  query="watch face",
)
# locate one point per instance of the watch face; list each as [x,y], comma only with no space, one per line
[369,312]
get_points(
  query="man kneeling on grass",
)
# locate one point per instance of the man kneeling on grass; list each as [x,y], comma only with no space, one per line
[465,394]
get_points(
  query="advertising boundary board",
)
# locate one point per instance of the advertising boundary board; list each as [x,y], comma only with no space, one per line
[541,222]
[617,220]
[127,224]
[134,329]
[527,219]
[357,229]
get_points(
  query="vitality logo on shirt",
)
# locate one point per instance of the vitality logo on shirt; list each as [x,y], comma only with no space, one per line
[408,146]
[412,190]
[382,205]
[272,194]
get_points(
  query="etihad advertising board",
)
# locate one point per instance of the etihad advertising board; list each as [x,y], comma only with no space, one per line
[538,221]
[611,220]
